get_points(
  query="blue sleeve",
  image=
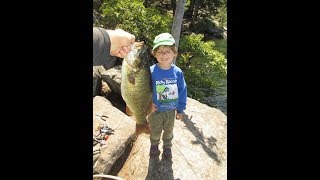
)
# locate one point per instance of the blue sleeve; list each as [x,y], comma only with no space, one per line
[182,90]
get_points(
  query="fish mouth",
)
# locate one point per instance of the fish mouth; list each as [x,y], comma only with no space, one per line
[133,55]
[138,44]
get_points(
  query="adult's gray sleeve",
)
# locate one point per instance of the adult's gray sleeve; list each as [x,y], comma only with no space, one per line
[101,48]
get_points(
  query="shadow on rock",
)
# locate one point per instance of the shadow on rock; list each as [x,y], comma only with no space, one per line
[154,164]
[160,169]
[166,171]
[200,138]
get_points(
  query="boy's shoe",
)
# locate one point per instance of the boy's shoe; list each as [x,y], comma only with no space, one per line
[154,151]
[167,153]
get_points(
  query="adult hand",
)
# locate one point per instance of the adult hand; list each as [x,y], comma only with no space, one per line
[121,42]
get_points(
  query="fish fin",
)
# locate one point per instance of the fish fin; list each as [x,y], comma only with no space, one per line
[131,78]
[128,111]
[142,128]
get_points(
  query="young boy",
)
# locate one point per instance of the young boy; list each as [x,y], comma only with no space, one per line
[169,94]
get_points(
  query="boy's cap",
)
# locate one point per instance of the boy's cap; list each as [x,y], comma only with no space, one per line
[163,39]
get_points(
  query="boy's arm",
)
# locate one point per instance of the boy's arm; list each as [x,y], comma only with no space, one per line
[182,89]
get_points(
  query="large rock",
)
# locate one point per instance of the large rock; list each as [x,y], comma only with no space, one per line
[98,70]
[124,132]
[112,77]
[199,149]
[96,81]
[199,144]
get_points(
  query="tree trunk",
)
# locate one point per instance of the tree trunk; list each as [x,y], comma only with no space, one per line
[195,12]
[177,22]
[189,12]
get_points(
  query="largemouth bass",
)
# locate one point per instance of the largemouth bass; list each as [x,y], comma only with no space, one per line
[136,85]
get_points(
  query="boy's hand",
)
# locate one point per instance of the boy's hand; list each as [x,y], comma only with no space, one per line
[152,108]
[179,116]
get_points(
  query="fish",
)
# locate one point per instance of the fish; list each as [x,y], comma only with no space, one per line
[136,82]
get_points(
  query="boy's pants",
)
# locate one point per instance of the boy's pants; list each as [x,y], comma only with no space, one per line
[159,121]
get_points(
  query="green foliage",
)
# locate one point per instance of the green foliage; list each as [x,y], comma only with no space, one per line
[204,25]
[203,66]
[132,16]
[221,16]
[221,46]
[208,8]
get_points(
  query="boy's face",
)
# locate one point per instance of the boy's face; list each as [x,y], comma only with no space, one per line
[164,55]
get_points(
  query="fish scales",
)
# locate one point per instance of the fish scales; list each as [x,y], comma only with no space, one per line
[136,87]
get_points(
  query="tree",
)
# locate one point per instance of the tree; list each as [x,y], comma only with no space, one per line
[177,22]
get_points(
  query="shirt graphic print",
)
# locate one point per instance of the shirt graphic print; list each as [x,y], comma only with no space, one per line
[167,91]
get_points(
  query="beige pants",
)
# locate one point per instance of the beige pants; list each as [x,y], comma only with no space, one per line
[162,121]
